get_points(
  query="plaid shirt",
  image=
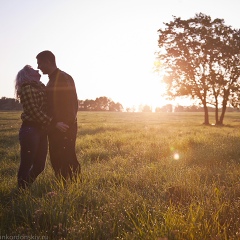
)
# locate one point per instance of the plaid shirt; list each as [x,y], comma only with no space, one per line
[34,101]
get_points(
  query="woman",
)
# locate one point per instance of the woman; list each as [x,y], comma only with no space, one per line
[32,135]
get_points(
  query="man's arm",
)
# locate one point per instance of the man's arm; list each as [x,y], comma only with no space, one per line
[62,126]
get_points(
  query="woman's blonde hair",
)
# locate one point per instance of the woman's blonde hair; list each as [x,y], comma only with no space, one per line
[22,76]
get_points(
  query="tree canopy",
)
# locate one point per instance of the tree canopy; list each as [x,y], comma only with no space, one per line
[201,59]
[10,104]
[99,104]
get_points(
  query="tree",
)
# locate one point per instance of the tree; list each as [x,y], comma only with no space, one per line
[10,104]
[201,59]
[102,104]
[89,105]
[99,104]
[146,108]
[115,107]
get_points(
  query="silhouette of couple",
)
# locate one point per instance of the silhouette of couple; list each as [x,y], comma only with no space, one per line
[49,120]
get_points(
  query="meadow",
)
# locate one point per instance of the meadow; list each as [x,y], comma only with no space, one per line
[156,176]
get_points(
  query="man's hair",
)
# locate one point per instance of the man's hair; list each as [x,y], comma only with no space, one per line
[46,56]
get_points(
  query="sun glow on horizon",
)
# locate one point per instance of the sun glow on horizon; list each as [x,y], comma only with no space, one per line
[147,92]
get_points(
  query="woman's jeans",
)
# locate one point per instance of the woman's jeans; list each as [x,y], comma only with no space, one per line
[34,144]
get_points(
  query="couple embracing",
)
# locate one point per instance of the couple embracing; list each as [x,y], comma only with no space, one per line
[49,121]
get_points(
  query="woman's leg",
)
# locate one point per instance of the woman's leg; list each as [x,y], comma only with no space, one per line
[39,160]
[29,141]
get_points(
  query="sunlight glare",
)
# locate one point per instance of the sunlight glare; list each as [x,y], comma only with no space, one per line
[148,92]
[176,156]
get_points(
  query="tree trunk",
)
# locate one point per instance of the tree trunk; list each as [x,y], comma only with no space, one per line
[216,115]
[206,117]
[224,108]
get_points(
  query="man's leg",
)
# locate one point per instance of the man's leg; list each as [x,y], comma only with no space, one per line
[74,168]
[57,153]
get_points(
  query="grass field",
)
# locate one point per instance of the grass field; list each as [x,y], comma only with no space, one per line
[157,176]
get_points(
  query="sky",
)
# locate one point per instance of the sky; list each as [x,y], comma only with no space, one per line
[107,46]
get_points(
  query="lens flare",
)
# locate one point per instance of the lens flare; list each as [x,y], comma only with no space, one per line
[176,156]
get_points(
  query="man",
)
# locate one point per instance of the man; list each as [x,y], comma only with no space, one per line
[62,105]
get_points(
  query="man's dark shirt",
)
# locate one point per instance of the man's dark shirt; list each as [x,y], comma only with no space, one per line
[62,98]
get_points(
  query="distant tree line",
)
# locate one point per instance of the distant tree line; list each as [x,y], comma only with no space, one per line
[106,104]
[193,108]
[99,104]
[10,104]
[179,108]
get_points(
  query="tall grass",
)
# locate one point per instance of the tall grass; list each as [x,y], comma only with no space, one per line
[144,176]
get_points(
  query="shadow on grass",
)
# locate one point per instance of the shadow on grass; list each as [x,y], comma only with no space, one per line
[224,149]
[89,131]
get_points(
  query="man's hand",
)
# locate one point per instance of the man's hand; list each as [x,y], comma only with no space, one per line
[62,126]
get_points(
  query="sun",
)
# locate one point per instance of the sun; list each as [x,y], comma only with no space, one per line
[148,91]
